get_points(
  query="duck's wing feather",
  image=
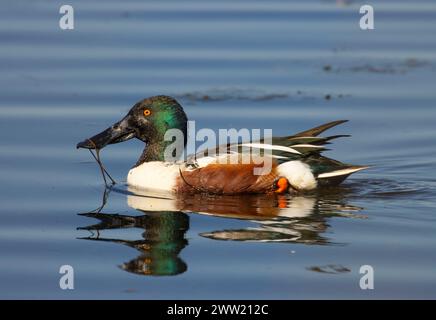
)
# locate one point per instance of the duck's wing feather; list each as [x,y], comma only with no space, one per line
[283,149]
[314,132]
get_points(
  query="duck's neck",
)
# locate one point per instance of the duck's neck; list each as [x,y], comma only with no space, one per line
[158,149]
[152,152]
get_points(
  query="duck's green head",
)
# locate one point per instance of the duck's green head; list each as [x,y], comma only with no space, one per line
[148,120]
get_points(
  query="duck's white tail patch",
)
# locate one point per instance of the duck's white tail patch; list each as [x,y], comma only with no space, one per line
[299,175]
[341,172]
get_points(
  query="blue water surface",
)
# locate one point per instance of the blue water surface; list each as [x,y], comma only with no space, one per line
[282,65]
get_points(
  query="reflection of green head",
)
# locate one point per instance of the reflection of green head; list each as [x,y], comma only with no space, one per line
[162,266]
[164,239]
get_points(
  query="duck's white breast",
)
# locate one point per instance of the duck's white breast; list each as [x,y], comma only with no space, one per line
[155,175]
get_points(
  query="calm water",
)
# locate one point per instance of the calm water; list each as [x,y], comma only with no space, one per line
[285,65]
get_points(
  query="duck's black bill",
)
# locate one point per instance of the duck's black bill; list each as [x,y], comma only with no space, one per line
[119,132]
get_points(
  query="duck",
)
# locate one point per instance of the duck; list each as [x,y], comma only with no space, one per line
[296,161]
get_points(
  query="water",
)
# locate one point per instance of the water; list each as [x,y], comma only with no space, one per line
[282,65]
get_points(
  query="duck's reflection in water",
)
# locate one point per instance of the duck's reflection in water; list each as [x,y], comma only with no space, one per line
[297,219]
[163,239]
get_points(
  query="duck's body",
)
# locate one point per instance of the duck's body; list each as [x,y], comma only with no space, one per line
[295,162]
[212,178]
[218,178]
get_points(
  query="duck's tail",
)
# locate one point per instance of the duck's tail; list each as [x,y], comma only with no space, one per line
[336,176]
[327,171]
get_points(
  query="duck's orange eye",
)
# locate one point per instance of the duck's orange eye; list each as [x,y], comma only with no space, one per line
[147,112]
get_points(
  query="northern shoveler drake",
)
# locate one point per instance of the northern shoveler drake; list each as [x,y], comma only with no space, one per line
[297,163]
